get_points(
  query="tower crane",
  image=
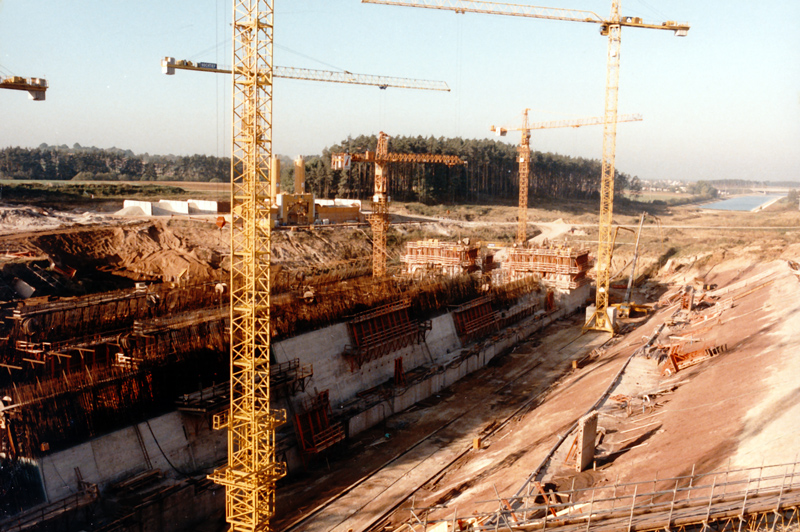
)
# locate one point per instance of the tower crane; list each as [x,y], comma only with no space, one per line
[524,150]
[612,28]
[36,87]
[253,469]
[170,64]
[379,219]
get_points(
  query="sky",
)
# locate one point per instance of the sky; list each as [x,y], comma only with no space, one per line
[721,103]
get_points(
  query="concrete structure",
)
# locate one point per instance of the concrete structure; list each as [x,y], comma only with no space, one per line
[175,440]
[585,440]
[558,265]
[180,443]
[146,206]
[295,209]
[338,210]
[173,207]
[448,258]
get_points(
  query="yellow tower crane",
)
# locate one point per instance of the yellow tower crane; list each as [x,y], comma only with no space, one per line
[379,219]
[170,64]
[252,470]
[611,27]
[524,150]
[36,87]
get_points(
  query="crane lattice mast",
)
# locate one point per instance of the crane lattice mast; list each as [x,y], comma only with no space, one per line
[611,27]
[252,469]
[524,151]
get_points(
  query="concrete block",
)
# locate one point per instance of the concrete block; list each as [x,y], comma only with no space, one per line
[146,206]
[587,435]
[202,206]
[442,338]
[176,206]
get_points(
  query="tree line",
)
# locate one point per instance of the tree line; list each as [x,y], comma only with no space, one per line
[491,172]
[62,163]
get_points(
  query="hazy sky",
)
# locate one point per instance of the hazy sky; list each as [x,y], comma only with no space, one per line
[723,102]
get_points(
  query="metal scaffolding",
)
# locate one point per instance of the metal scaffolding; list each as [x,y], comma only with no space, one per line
[757,498]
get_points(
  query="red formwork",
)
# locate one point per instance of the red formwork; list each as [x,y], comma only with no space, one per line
[381,331]
[450,258]
[475,319]
[562,266]
[314,429]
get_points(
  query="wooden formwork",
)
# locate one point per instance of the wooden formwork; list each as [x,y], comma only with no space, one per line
[475,319]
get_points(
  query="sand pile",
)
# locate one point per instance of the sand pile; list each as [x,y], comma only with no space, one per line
[142,251]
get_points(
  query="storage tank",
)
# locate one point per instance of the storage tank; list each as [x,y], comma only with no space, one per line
[299,175]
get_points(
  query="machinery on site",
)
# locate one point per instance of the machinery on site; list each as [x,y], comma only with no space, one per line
[612,28]
[36,87]
[170,64]
[626,307]
[379,219]
[524,150]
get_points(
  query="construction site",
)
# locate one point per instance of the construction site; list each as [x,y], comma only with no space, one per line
[281,361]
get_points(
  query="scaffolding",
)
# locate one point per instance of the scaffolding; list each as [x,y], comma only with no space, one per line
[757,498]
[447,258]
[560,266]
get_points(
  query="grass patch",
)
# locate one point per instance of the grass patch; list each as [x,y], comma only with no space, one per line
[84,192]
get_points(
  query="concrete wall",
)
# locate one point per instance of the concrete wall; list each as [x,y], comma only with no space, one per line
[202,206]
[338,202]
[323,350]
[457,367]
[338,214]
[186,441]
[176,206]
[167,207]
[146,206]
[572,298]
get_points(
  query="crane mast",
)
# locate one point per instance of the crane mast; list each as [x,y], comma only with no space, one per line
[524,150]
[252,469]
[600,321]
[612,27]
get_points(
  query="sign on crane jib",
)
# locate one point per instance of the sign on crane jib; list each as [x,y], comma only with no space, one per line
[207,65]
